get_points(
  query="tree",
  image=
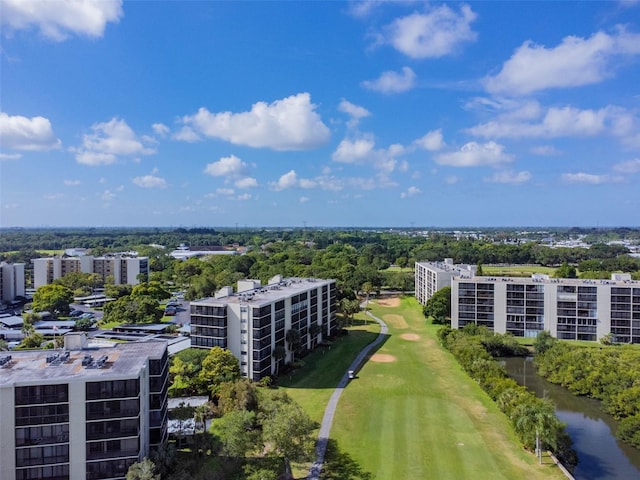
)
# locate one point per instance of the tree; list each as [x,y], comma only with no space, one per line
[151,289]
[438,307]
[240,394]
[349,307]
[144,470]
[219,366]
[565,271]
[278,354]
[52,298]
[130,309]
[402,262]
[544,341]
[293,340]
[286,429]
[479,270]
[84,324]
[238,433]
[367,288]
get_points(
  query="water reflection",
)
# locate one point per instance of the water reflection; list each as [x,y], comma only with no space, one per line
[600,455]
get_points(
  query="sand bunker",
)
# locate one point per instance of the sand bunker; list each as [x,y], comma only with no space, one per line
[410,336]
[389,302]
[382,358]
[395,321]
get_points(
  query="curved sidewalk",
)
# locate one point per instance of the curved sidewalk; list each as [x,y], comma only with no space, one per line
[327,420]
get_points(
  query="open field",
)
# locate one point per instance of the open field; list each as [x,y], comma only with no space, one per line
[516,270]
[395,268]
[413,414]
[44,253]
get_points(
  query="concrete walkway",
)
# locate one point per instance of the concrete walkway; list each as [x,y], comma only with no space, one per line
[327,420]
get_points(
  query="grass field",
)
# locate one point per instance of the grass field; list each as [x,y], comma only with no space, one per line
[516,270]
[413,414]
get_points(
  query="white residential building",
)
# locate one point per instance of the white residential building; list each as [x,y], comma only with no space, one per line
[432,276]
[81,413]
[254,321]
[123,269]
[571,309]
[11,281]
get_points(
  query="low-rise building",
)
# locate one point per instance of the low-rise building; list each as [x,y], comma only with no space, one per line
[85,413]
[253,323]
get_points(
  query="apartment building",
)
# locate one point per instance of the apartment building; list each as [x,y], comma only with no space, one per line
[123,269]
[254,321]
[86,413]
[432,276]
[11,281]
[570,309]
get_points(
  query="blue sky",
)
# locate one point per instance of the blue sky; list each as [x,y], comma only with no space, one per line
[319,113]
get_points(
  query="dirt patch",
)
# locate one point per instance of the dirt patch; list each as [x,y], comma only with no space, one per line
[395,321]
[389,302]
[382,358]
[412,337]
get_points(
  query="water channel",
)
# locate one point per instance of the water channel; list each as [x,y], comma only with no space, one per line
[600,455]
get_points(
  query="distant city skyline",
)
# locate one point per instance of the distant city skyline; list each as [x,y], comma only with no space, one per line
[319,114]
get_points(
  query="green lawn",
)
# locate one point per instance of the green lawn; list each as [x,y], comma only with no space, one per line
[412,413]
[516,270]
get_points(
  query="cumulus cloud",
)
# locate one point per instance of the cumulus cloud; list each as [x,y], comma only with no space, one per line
[22,133]
[436,33]
[230,166]
[432,141]
[362,151]
[150,181]
[160,129]
[574,62]
[411,192]
[287,180]
[475,154]
[246,182]
[565,122]
[291,123]
[630,166]
[507,176]
[589,178]
[108,141]
[392,82]
[57,20]
[354,111]
[10,156]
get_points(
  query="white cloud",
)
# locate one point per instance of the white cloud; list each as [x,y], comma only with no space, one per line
[107,196]
[392,82]
[244,196]
[291,123]
[434,34]
[10,156]
[508,176]
[246,182]
[546,151]
[225,191]
[411,192]
[72,183]
[565,122]
[160,129]
[150,181]
[575,62]
[22,133]
[630,166]
[303,199]
[186,134]
[589,178]
[354,111]
[432,141]
[287,180]
[56,20]
[230,166]
[108,141]
[476,154]
[352,151]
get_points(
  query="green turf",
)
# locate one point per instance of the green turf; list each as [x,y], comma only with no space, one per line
[516,270]
[420,417]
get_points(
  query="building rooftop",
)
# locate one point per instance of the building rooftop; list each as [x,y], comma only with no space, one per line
[545,279]
[266,294]
[31,367]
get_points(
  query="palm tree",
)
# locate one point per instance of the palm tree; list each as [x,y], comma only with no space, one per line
[293,341]
[279,352]
[367,287]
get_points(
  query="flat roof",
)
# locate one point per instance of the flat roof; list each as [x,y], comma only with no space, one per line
[30,367]
[549,281]
[267,294]
[11,321]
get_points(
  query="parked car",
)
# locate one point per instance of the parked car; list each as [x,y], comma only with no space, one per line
[170,311]
[76,313]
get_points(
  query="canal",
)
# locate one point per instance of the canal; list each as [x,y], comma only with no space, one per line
[600,454]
